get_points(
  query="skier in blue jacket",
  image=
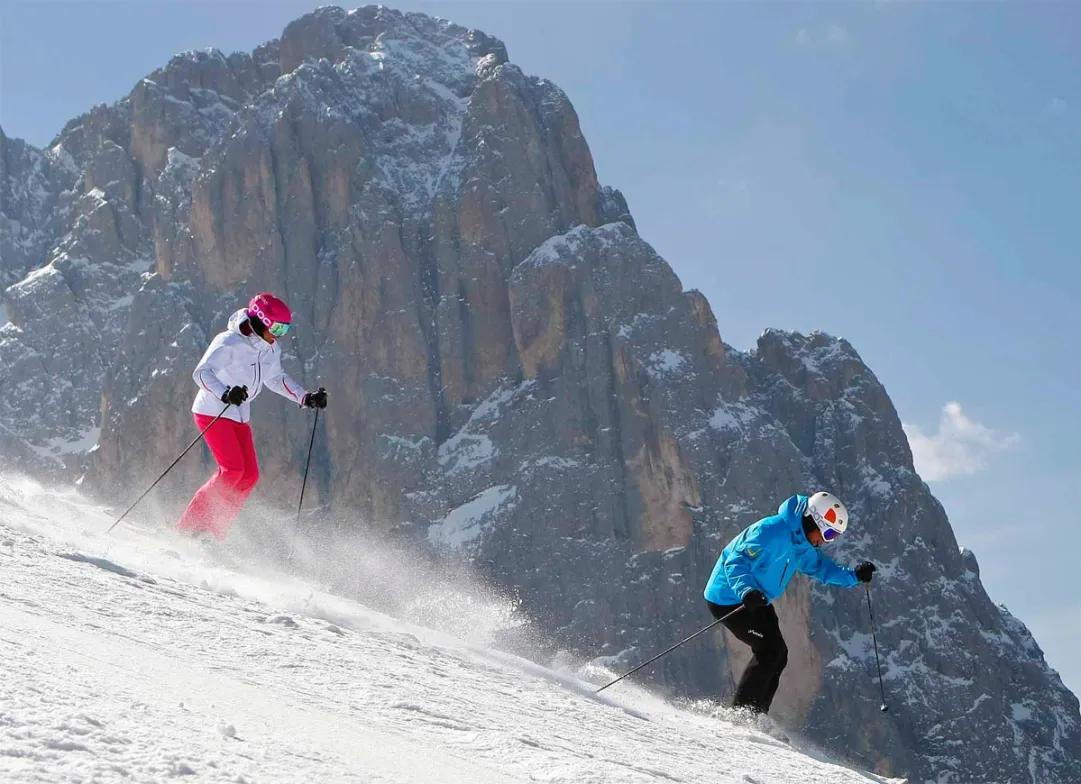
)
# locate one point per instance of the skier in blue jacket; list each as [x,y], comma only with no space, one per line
[753,571]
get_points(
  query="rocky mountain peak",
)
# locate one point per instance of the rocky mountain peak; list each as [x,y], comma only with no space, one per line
[433,47]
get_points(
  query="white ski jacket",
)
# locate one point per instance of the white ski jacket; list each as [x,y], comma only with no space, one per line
[234,359]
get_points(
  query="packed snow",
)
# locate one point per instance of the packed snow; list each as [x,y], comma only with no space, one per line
[567,248]
[469,447]
[467,522]
[465,452]
[81,443]
[666,361]
[140,657]
[401,447]
[732,416]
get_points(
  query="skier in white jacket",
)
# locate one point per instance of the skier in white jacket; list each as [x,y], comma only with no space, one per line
[236,366]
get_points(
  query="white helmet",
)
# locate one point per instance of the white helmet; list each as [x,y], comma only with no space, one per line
[829,515]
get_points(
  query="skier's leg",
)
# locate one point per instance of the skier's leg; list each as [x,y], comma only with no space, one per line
[780,662]
[251,461]
[741,625]
[244,483]
[212,501]
[761,631]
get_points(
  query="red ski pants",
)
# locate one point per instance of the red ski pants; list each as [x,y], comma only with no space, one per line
[217,503]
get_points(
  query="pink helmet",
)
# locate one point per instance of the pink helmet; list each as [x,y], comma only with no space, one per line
[272,312]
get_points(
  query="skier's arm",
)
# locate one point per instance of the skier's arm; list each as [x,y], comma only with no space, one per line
[215,358]
[815,564]
[279,381]
[739,564]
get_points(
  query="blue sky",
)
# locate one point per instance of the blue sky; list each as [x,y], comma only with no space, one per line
[906,175]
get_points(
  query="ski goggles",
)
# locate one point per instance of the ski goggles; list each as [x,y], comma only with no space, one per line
[830,534]
[278,328]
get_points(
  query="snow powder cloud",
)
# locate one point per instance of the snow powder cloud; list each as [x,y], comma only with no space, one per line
[961,445]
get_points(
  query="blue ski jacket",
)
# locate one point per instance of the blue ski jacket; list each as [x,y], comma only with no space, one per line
[766,555]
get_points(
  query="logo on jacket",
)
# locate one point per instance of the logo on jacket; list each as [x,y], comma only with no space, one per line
[753,551]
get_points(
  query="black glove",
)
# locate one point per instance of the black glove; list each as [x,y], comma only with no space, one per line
[754,599]
[316,399]
[864,571]
[234,396]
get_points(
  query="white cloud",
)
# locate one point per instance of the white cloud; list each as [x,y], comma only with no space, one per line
[833,35]
[836,35]
[961,445]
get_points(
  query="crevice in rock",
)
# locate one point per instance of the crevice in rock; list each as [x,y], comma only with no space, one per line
[429,303]
[465,318]
[621,528]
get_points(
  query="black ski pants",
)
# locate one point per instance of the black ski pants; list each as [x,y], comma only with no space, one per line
[760,629]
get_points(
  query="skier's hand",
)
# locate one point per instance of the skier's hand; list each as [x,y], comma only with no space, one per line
[234,396]
[754,599]
[864,571]
[316,399]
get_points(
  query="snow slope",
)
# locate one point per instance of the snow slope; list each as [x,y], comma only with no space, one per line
[137,658]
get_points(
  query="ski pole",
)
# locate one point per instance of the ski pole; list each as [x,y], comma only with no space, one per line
[293,540]
[306,465]
[167,470]
[874,637]
[664,653]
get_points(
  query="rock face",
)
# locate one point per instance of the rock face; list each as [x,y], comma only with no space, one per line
[515,375]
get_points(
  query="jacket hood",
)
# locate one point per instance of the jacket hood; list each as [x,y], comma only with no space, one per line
[253,340]
[236,320]
[792,511]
